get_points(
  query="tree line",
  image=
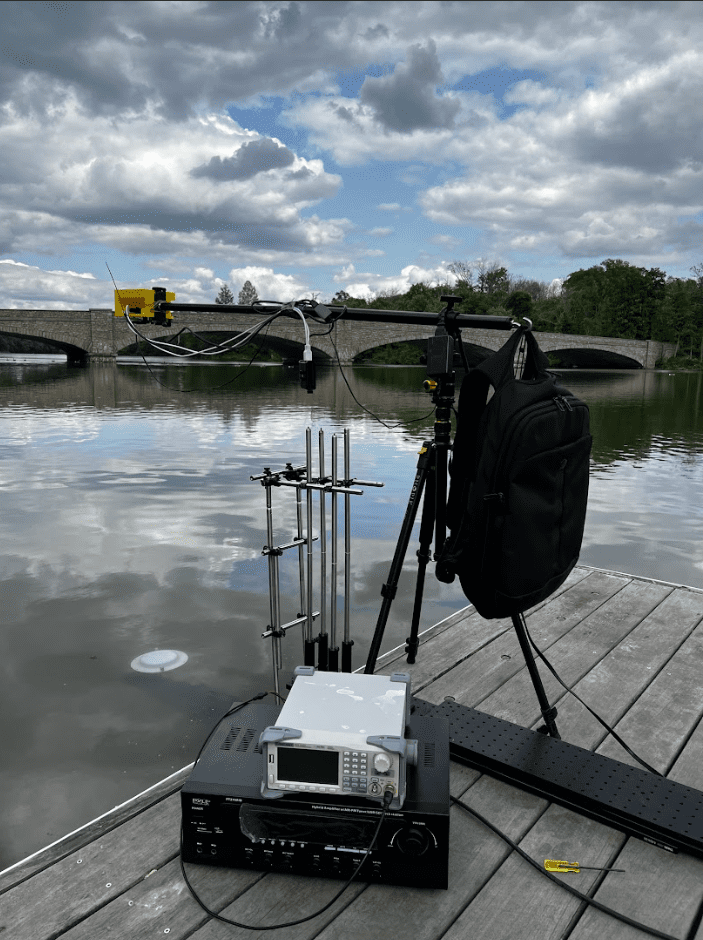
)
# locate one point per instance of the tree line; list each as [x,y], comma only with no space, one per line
[613,298]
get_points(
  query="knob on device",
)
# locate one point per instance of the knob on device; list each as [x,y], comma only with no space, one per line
[382,763]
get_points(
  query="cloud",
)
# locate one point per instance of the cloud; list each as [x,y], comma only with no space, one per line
[370,285]
[30,287]
[116,134]
[122,174]
[257,156]
[270,285]
[406,100]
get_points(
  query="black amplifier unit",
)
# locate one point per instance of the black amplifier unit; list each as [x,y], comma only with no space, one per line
[227,822]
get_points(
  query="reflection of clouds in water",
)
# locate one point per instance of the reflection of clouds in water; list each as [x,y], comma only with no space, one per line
[27,425]
[658,499]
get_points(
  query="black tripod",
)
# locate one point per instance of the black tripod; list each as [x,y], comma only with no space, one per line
[431,478]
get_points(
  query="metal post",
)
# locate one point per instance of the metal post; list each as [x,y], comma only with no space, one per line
[322,638]
[301,561]
[274,596]
[334,649]
[309,642]
[347,642]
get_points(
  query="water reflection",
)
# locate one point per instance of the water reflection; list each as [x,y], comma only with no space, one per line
[129,524]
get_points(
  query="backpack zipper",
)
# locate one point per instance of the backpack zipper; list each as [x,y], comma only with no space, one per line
[559,401]
[562,403]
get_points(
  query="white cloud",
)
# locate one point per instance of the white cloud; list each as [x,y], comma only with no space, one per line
[268,284]
[115,135]
[118,174]
[369,285]
[30,287]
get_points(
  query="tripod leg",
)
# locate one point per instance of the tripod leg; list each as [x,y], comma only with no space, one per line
[549,712]
[389,589]
[423,557]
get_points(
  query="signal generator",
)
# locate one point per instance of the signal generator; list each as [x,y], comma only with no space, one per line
[340,734]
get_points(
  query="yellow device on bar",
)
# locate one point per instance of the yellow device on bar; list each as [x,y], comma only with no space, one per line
[141,305]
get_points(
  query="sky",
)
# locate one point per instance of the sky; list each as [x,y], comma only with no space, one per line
[313,147]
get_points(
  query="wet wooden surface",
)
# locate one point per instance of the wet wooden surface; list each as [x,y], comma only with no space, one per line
[631,648]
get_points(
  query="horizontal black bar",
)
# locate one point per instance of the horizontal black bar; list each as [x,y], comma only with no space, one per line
[421,318]
[635,801]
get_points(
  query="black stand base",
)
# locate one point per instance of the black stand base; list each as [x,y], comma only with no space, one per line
[638,803]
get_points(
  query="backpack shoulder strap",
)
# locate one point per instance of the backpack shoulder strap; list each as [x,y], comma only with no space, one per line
[499,369]
[473,396]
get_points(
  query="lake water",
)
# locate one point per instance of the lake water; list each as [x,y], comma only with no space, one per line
[129,524]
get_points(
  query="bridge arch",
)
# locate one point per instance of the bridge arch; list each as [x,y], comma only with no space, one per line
[585,358]
[74,353]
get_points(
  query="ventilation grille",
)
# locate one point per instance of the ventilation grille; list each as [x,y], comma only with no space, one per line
[238,739]
[428,754]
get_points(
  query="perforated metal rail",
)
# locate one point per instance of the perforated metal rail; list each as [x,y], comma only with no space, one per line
[635,801]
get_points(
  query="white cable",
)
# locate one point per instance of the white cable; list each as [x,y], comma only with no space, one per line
[241,339]
[307,352]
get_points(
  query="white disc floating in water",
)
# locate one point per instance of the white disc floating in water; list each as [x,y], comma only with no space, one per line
[159,661]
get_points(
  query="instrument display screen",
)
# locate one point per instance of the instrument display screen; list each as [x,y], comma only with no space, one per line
[308,765]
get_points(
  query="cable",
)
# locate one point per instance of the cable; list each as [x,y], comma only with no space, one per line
[597,717]
[584,897]
[388,796]
[390,427]
[242,339]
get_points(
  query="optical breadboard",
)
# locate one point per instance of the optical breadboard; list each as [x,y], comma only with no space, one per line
[637,802]
[340,734]
[227,822]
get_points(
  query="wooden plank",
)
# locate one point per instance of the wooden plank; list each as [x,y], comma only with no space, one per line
[518,894]
[161,903]
[611,687]
[659,723]
[660,890]
[57,897]
[575,653]
[475,678]
[282,899]
[86,834]
[475,853]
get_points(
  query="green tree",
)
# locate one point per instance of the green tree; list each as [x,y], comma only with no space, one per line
[225,296]
[519,304]
[614,298]
[681,317]
[492,279]
[247,294]
[548,315]
[583,293]
[464,272]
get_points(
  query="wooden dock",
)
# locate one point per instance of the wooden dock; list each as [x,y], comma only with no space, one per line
[631,647]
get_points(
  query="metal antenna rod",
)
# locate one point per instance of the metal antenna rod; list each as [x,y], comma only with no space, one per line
[274,597]
[301,561]
[309,642]
[347,642]
[322,638]
[334,649]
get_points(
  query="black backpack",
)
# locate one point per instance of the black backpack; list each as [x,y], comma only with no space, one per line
[519,483]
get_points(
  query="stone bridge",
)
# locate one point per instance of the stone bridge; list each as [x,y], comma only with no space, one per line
[97,334]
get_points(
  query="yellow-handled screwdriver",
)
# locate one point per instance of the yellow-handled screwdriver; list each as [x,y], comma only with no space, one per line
[553,864]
